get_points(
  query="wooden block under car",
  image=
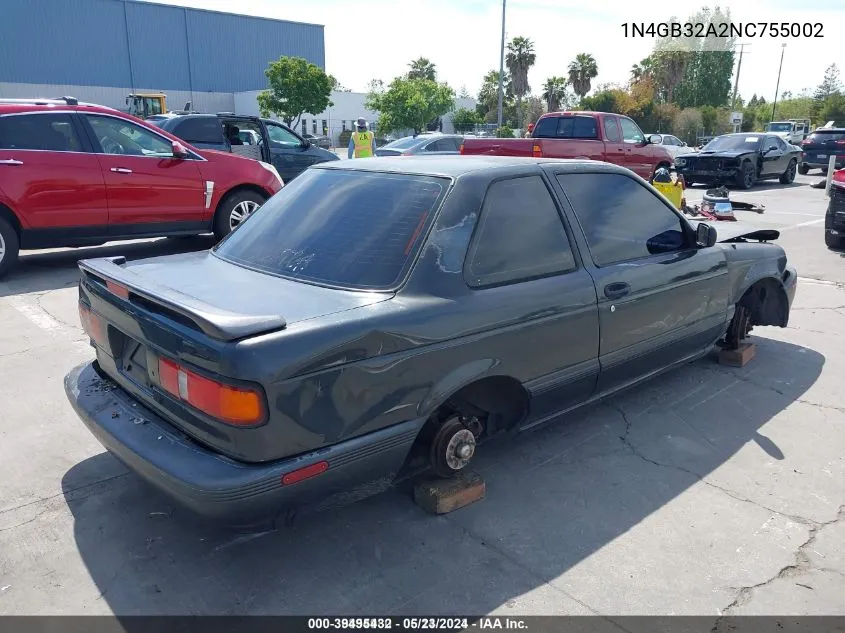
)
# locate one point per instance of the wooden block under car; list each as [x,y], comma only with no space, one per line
[440,496]
[737,357]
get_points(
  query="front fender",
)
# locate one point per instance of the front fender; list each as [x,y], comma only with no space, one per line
[758,273]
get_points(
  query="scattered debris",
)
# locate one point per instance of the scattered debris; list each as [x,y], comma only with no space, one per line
[115,414]
[717,205]
[805,586]
[5,588]
[821,184]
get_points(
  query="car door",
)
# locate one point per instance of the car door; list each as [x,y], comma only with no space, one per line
[661,299]
[615,149]
[773,157]
[49,176]
[637,152]
[539,302]
[288,153]
[149,190]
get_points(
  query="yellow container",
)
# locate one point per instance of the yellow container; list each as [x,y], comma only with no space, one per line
[673,191]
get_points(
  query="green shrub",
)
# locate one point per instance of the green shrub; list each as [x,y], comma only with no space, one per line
[504,132]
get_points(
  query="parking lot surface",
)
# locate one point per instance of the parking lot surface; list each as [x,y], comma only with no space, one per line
[710,490]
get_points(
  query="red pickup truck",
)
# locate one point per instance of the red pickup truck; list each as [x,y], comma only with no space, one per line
[611,138]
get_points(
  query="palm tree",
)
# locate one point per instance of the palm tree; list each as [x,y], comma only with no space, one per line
[554,92]
[519,60]
[422,68]
[670,68]
[582,70]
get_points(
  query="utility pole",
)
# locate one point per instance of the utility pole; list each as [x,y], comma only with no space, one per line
[777,87]
[502,67]
[738,68]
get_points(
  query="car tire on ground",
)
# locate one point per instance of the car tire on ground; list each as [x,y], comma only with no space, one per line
[746,177]
[234,209]
[833,241]
[788,177]
[9,247]
[803,169]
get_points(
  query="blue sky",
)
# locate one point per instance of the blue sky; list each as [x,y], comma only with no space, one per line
[462,36]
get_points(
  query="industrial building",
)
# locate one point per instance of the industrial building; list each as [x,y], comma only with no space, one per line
[102,50]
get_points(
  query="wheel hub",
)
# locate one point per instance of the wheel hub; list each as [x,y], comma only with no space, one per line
[460,449]
[241,212]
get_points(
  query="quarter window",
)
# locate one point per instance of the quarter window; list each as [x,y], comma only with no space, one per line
[621,219]
[117,136]
[51,132]
[520,235]
[200,130]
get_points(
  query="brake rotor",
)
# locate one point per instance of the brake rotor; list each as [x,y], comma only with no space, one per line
[452,448]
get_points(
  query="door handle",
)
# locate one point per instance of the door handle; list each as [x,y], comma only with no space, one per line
[616,290]
[121,170]
[11,161]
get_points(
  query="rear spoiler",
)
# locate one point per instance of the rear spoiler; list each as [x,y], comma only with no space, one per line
[218,324]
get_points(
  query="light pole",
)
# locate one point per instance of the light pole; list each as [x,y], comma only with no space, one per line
[738,68]
[502,68]
[777,87]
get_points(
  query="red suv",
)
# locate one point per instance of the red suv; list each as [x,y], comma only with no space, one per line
[76,174]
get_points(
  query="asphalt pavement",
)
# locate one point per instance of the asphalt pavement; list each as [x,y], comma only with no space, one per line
[708,491]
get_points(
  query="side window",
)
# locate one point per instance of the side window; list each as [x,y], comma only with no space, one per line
[771,143]
[442,145]
[546,128]
[200,130]
[520,235]
[631,131]
[625,222]
[117,136]
[583,127]
[52,132]
[781,144]
[280,136]
[611,130]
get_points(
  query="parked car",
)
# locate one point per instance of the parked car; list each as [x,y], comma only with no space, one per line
[820,146]
[333,344]
[742,160]
[673,144]
[278,145]
[422,144]
[834,219]
[76,174]
[612,138]
[319,140]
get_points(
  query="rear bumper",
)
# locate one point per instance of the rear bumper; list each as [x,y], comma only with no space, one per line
[216,487]
[814,163]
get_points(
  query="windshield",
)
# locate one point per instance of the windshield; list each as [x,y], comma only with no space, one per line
[342,228]
[404,143]
[779,127]
[740,141]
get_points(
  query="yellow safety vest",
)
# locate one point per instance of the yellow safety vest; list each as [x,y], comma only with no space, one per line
[363,144]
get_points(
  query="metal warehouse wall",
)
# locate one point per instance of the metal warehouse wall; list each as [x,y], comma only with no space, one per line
[130,44]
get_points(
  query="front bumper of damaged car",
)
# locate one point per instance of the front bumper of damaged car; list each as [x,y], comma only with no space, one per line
[725,170]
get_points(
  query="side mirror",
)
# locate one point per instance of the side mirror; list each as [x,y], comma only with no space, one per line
[705,235]
[179,150]
[655,139]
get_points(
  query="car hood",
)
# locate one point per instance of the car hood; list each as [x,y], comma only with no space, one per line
[727,153]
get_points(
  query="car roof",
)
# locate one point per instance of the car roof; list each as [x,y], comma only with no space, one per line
[453,166]
[17,106]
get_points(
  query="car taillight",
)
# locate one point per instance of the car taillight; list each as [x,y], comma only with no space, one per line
[537,151]
[462,148]
[92,324]
[117,289]
[840,142]
[239,406]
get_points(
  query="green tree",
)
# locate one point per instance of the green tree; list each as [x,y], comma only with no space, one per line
[337,86]
[488,96]
[555,93]
[465,120]
[688,123]
[410,104]
[422,68]
[504,132]
[830,85]
[834,109]
[519,59]
[582,70]
[533,108]
[463,93]
[296,86]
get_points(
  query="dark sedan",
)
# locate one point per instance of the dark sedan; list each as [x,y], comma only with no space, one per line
[422,145]
[741,160]
[376,319]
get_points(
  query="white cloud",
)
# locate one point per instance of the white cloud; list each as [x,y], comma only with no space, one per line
[463,38]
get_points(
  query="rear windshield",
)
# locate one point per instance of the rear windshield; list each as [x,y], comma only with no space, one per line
[581,127]
[347,229]
[823,136]
[404,143]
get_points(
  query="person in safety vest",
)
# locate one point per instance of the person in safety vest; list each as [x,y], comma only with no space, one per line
[362,143]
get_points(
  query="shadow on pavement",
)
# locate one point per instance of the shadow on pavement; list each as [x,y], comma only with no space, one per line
[760,185]
[554,498]
[41,271]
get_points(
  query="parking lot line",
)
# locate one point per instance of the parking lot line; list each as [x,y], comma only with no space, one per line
[35,314]
[798,226]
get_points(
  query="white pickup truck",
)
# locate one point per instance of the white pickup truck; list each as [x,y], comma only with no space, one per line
[792,131]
